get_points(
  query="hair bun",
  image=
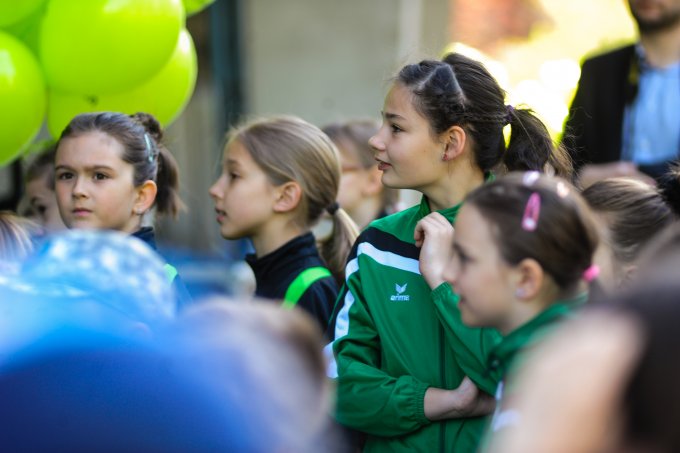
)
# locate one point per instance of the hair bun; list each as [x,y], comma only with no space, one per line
[150,123]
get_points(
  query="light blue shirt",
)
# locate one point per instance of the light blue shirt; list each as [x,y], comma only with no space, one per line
[651,124]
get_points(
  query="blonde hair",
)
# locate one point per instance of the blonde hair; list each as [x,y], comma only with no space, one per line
[15,239]
[287,149]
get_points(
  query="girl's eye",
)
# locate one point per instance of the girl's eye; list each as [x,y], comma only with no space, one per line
[100,176]
[65,175]
[233,175]
[462,258]
[395,129]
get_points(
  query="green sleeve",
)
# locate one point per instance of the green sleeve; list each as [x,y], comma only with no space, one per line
[471,345]
[368,399]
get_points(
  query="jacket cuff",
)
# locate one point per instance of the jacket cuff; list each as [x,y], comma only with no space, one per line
[419,404]
[443,292]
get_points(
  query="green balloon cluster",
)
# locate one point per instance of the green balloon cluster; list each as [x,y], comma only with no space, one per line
[22,97]
[59,58]
[195,6]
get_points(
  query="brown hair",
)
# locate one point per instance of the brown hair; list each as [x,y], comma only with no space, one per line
[356,134]
[460,91]
[290,149]
[635,213]
[141,137]
[565,235]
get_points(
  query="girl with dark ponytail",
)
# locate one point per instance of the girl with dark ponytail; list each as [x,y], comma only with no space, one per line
[113,172]
[400,381]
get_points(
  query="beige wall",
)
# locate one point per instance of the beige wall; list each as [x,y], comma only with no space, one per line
[325,60]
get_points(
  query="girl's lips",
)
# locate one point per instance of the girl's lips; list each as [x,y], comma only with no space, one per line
[80,212]
[220,215]
[382,166]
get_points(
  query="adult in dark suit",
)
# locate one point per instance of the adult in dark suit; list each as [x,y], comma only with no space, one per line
[607,132]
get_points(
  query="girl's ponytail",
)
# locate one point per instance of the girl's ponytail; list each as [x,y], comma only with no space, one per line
[168,200]
[531,147]
[336,246]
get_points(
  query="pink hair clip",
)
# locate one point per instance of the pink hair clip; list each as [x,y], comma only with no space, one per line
[531,212]
[591,273]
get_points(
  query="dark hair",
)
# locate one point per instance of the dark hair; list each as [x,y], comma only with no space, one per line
[460,91]
[669,186]
[635,213]
[356,134]
[141,137]
[565,235]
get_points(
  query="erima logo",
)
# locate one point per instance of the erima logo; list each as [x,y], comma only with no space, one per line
[400,293]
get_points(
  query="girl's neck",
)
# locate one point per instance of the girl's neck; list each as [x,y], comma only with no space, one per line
[527,310]
[460,180]
[274,236]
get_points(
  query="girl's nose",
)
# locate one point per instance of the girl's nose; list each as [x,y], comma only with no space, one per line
[80,187]
[376,142]
[215,190]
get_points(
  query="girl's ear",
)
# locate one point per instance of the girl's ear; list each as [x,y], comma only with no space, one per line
[530,277]
[454,139]
[288,196]
[146,195]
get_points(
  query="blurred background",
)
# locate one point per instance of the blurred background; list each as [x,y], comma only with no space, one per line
[325,60]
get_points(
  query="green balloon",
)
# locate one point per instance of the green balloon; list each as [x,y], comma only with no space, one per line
[107,46]
[195,6]
[164,95]
[22,97]
[28,29]
[13,11]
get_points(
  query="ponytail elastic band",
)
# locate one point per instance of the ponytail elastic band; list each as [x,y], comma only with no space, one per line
[591,273]
[333,208]
[509,112]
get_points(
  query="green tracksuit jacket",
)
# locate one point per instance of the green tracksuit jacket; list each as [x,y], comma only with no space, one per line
[395,338]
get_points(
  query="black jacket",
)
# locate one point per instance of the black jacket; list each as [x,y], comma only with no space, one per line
[182,295]
[594,129]
[275,272]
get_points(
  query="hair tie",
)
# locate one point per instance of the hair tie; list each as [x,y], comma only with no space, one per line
[509,112]
[333,208]
[149,146]
[591,273]
[531,212]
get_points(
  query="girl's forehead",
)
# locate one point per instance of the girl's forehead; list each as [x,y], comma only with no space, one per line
[89,147]
[399,97]
[94,140]
[235,151]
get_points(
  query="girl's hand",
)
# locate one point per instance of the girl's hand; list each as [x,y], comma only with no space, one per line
[465,401]
[434,236]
